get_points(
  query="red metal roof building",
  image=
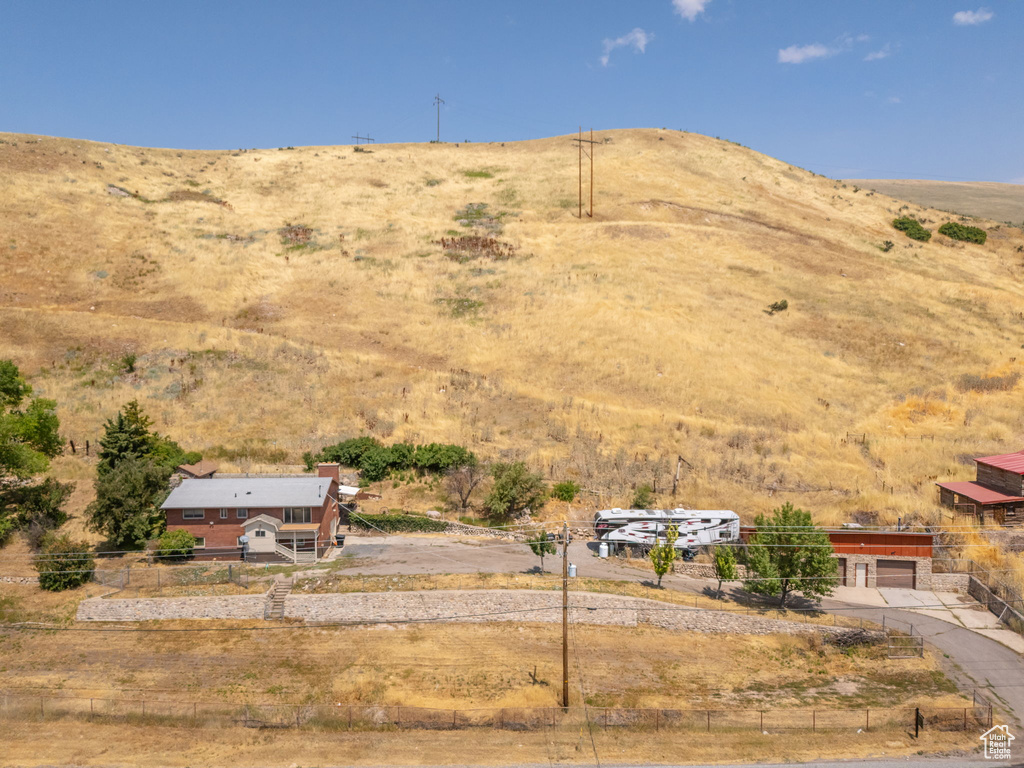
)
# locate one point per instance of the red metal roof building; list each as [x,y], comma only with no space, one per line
[997,491]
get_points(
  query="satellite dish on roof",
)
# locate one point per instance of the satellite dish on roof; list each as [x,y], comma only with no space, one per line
[243,540]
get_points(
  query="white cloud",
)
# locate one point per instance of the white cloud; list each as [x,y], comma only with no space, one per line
[798,54]
[894,100]
[690,9]
[637,38]
[882,53]
[970,18]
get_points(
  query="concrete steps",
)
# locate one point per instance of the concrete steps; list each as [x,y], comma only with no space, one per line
[274,610]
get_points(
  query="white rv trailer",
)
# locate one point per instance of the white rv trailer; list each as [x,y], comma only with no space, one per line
[644,527]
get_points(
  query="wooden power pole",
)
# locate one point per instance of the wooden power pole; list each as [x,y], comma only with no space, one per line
[590,154]
[438,101]
[565,615]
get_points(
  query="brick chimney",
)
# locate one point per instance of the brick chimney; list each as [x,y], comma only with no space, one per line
[329,470]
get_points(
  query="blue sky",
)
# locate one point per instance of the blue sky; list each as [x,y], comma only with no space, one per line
[862,88]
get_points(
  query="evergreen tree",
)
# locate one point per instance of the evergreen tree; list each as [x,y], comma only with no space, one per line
[788,554]
[127,506]
[127,436]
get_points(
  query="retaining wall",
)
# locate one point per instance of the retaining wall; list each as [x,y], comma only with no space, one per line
[454,606]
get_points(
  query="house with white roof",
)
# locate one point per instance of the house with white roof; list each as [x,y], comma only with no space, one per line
[294,518]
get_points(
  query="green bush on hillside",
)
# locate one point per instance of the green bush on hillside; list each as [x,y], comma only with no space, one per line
[376,461]
[64,563]
[912,228]
[565,491]
[398,523]
[962,232]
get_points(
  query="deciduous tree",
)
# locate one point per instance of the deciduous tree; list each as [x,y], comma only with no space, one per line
[541,545]
[725,565]
[515,490]
[663,553]
[787,553]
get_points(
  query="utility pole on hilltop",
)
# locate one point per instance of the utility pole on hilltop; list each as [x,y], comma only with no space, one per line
[590,154]
[565,615]
[359,138]
[438,101]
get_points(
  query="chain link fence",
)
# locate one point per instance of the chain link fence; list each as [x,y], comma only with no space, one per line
[23,707]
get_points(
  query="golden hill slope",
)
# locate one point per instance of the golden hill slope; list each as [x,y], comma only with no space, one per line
[987,199]
[280,299]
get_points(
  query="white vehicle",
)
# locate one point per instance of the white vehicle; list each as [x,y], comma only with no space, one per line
[644,527]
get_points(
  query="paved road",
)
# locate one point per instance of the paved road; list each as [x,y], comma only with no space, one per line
[973,660]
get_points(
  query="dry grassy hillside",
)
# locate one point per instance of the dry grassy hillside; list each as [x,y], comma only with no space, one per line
[990,200]
[280,299]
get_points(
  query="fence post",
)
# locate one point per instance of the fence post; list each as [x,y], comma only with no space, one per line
[42,714]
[143,707]
[350,717]
[91,712]
[296,717]
[194,712]
[965,718]
[657,719]
[867,719]
[917,721]
[762,720]
[455,718]
[709,721]
[814,720]
[501,718]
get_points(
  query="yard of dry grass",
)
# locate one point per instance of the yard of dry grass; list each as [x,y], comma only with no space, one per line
[465,666]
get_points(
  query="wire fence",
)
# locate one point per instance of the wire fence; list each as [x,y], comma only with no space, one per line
[178,581]
[327,717]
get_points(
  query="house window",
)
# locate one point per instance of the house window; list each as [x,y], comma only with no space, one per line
[200,543]
[260,534]
[298,514]
[223,514]
[193,514]
[242,513]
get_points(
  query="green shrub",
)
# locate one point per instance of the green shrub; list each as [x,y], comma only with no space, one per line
[912,228]
[175,545]
[63,563]
[376,461]
[565,491]
[644,497]
[397,523]
[962,232]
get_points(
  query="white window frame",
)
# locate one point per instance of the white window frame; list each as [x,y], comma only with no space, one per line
[259,533]
[242,513]
[189,514]
[223,514]
[200,543]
